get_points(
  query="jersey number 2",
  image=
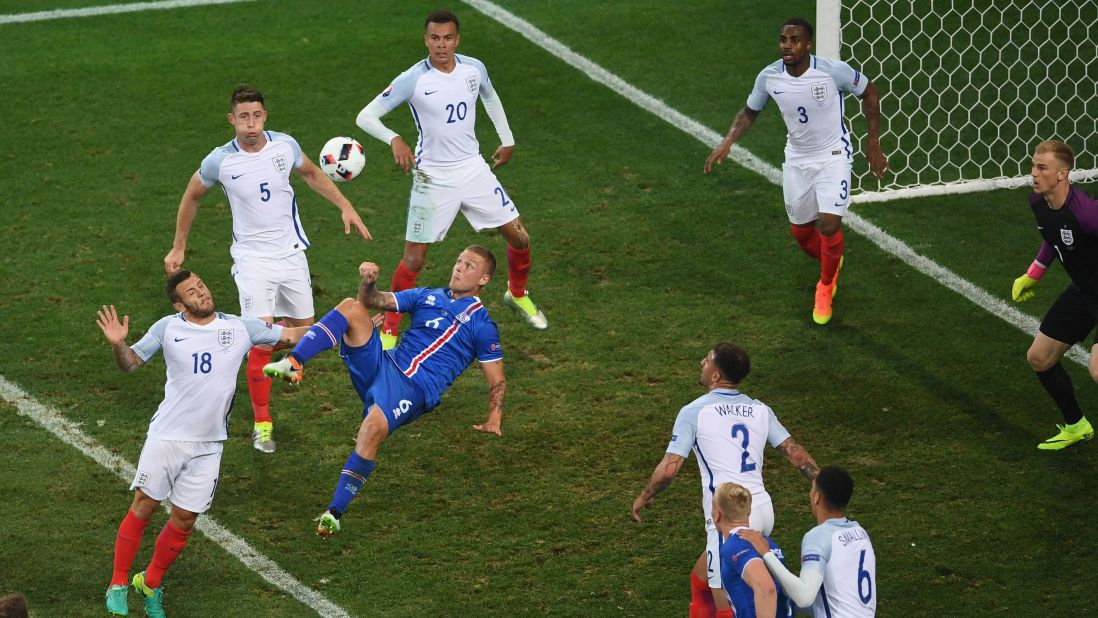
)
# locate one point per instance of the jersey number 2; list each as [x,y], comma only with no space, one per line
[745,466]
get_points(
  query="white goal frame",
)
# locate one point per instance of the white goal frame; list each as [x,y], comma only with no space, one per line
[984,143]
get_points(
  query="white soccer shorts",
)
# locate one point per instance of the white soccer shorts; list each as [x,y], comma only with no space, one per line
[278,288]
[812,188]
[183,471]
[438,195]
[761,519]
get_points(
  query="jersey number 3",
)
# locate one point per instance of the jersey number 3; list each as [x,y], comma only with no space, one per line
[745,465]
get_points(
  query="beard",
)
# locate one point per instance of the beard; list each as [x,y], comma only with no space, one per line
[198,312]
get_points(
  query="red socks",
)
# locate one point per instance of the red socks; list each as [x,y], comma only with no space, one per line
[725,613]
[518,270]
[259,385]
[403,279]
[125,547]
[808,238]
[831,251]
[169,545]
[701,598]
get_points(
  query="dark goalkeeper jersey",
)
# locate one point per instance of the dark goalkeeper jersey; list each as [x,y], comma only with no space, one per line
[1070,234]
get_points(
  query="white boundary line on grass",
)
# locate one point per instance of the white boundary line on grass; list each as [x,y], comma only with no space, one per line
[19,18]
[69,433]
[993,305]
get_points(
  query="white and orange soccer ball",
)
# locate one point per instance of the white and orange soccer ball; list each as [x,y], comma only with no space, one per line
[342,159]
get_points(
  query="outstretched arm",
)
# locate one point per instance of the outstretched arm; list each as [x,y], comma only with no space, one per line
[871,109]
[740,124]
[188,208]
[800,459]
[115,331]
[497,392]
[368,293]
[320,182]
[661,479]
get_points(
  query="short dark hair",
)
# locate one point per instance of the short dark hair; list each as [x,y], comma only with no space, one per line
[174,280]
[732,361]
[797,21]
[245,94]
[486,253]
[442,17]
[835,486]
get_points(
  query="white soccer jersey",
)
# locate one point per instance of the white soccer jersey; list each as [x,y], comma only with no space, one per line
[727,430]
[812,107]
[265,219]
[444,107]
[841,550]
[202,361]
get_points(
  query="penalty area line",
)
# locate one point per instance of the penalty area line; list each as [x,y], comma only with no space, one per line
[69,432]
[885,241]
[112,9]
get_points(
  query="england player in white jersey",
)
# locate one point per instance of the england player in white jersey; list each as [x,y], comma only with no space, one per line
[450,175]
[269,242]
[838,567]
[818,153]
[727,429]
[181,457]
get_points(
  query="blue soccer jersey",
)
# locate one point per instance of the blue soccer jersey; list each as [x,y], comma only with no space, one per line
[446,334]
[736,553]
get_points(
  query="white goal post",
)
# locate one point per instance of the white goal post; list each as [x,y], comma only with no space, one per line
[968,87]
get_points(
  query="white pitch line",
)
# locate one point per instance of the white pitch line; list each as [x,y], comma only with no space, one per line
[112,9]
[69,433]
[711,138]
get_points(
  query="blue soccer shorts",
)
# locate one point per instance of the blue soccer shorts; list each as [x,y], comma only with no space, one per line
[378,381]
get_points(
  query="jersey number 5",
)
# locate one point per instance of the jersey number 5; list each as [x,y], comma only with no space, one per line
[745,465]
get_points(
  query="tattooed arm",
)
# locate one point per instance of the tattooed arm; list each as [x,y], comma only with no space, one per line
[800,459]
[115,331]
[497,392]
[661,479]
[368,293]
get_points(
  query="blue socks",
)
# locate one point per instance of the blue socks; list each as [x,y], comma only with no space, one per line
[354,474]
[324,335]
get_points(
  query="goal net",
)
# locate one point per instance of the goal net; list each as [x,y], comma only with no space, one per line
[968,87]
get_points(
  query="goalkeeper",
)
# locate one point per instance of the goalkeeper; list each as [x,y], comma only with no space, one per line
[1067,219]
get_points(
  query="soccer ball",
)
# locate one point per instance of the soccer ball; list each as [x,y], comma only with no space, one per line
[342,159]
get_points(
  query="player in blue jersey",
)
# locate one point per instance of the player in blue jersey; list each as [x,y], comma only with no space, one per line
[750,589]
[449,328]
[838,565]
[269,242]
[1067,219]
[181,457]
[448,172]
[818,152]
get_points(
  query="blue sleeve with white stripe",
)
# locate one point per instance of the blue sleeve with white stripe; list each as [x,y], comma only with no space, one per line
[488,348]
[153,340]
[846,78]
[406,299]
[684,431]
[282,137]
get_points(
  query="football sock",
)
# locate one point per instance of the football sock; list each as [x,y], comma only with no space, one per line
[725,613]
[403,279]
[831,251]
[1058,384]
[518,270]
[808,237]
[354,474]
[125,547]
[259,385]
[169,545]
[324,335]
[701,598]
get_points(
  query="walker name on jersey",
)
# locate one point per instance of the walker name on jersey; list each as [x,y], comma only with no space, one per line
[849,536]
[737,409]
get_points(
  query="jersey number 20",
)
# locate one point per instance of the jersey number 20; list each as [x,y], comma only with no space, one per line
[745,465]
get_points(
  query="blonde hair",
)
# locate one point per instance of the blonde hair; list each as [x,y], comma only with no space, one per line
[1058,149]
[733,501]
